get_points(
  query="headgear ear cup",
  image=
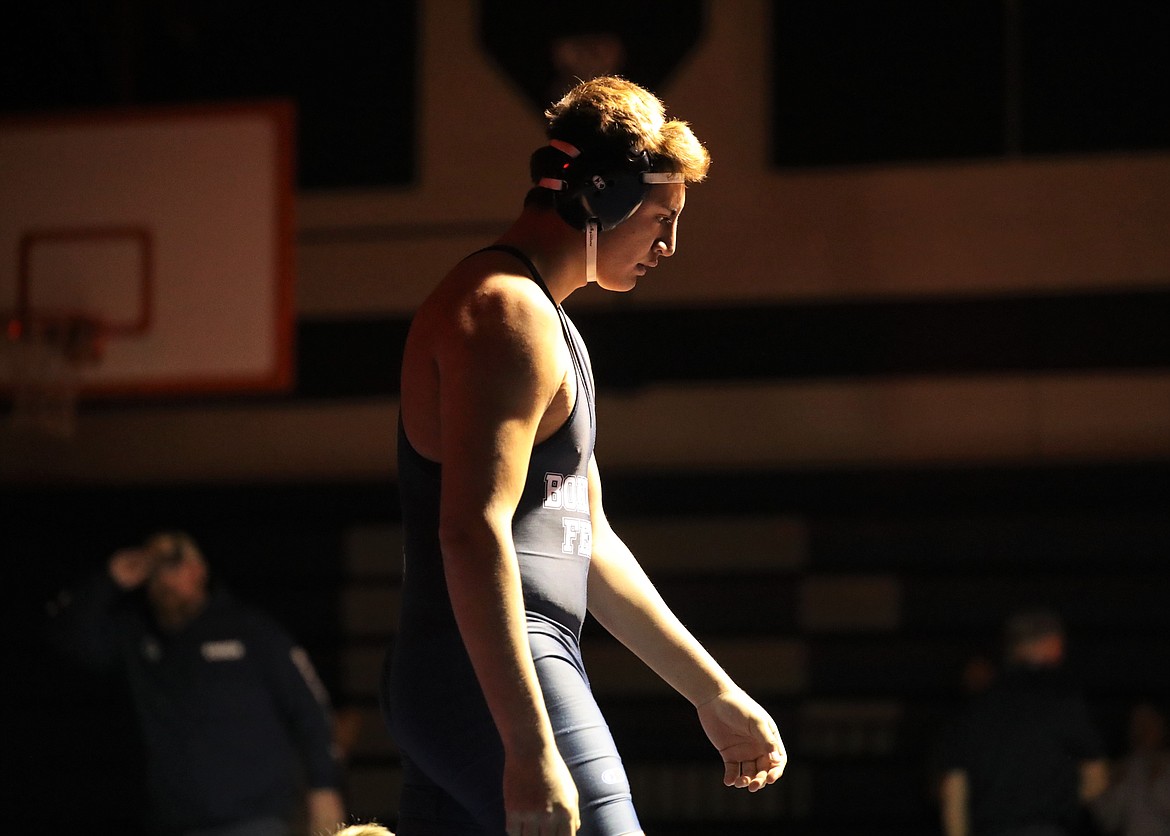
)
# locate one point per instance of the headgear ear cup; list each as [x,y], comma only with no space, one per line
[607,188]
[594,192]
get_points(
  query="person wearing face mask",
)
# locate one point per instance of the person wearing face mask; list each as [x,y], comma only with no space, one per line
[234,720]
[507,546]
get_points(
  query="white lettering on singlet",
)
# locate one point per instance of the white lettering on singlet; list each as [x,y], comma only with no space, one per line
[570,493]
[578,536]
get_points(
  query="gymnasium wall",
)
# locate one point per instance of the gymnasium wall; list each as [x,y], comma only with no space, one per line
[868,408]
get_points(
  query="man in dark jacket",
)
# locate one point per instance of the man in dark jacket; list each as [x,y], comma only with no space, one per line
[233,717]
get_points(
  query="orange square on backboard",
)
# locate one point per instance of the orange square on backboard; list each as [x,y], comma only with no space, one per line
[172,228]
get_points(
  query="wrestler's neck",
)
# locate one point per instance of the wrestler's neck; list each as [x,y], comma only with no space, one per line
[556,249]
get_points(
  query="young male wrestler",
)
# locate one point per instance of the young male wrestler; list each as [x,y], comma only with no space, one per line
[506,541]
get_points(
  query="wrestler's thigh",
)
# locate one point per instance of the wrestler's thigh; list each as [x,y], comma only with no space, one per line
[452,754]
[427,809]
[587,747]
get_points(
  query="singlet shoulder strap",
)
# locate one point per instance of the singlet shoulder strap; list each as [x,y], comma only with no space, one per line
[576,350]
[523,259]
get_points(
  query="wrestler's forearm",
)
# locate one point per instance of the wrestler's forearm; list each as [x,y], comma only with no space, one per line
[626,603]
[483,581]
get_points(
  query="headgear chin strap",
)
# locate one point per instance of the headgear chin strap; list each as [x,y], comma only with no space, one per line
[591,233]
[595,192]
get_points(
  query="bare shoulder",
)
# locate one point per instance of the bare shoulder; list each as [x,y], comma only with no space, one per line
[487,302]
[484,349]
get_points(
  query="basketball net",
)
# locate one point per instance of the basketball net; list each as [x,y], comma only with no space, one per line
[45,357]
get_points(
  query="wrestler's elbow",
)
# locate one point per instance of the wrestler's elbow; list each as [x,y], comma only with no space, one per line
[468,542]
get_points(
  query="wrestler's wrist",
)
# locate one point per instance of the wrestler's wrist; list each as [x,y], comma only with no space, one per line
[716,691]
[529,743]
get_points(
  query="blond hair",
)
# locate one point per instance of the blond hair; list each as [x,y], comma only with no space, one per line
[613,114]
[371,829]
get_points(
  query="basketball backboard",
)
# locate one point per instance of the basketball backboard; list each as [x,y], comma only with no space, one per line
[169,232]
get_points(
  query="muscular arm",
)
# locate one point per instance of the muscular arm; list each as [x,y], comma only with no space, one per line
[625,602]
[496,379]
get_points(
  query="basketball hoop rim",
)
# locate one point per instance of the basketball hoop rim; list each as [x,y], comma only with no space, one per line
[79,335]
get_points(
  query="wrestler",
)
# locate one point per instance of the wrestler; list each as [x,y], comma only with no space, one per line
[506,541]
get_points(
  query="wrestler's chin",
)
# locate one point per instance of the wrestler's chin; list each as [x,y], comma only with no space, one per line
[622,285]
